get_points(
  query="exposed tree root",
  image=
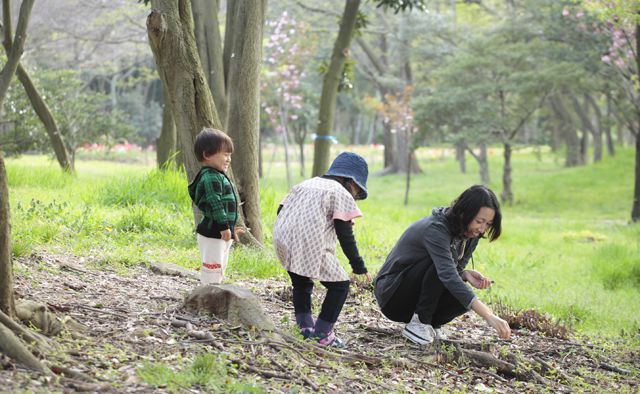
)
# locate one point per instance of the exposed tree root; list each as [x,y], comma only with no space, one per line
[15,348]
[26,335]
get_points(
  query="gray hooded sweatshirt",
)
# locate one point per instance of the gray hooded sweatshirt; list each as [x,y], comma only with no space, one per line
[428,241]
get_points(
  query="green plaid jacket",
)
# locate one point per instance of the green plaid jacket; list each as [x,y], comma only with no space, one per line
[214,195]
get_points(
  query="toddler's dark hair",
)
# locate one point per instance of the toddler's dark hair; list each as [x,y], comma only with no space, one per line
[465,208]
[210,141]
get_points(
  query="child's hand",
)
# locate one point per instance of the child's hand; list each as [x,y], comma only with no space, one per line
[238,232]
[362,278]
[225,235]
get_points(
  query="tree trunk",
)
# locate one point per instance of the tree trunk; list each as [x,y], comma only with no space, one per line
[39,105]
[583,113]
[483,162]
[569,134]
[301,134]
[389,141]
[285,142]
[7,300]
[460,156]
[507,190]
[597,128]
[635,210]
[584,148]
[405,158]
[330,85]
[209,42]
[244,105]
[170,30]
[607,126]
[17,47]
[166,144]
[410,158]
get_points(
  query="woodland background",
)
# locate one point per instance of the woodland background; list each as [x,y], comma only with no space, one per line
[537,99]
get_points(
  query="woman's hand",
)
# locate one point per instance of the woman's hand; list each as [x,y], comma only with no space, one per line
[476,279]
[500,325]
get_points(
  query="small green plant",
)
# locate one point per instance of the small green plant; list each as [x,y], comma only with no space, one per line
[207,371]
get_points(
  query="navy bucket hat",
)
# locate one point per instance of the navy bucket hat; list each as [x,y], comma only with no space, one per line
[353,166]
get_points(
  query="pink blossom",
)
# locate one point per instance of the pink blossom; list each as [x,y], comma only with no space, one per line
[579,14]
[606,59]
[620,62]
[565,12]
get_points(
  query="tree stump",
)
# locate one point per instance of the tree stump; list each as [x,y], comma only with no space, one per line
[230,302]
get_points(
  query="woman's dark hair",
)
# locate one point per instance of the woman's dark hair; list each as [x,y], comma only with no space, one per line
[211,141]
[465,208]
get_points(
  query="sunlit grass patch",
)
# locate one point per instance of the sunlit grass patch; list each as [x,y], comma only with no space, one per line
[247,262]
[617,266]
[154,187]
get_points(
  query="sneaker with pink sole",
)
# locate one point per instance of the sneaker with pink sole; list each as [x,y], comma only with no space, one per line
[328,339]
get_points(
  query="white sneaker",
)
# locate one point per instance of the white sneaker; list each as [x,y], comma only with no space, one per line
[418,332]
[440,334]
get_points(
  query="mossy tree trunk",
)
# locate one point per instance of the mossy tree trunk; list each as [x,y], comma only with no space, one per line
[209,42]
[170,30]
[243,123]
[7,300]
[167,142]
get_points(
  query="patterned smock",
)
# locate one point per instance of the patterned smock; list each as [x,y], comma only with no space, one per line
[304,236]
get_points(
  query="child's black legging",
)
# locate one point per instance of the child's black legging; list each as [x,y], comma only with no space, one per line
[423,293]
[331,306]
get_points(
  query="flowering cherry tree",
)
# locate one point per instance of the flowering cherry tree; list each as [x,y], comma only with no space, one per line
[623,21]
[285,55]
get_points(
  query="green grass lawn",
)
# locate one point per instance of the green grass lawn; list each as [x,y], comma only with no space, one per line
[567,247]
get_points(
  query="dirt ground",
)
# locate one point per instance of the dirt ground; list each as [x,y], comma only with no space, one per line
[130,320]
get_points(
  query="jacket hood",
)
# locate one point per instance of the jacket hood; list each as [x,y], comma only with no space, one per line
[194,184]
[439,212]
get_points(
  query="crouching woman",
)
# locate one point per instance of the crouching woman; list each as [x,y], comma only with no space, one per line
[422,282]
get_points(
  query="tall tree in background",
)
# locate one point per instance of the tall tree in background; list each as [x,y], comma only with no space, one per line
[393,79]
[330,85]
[350,21]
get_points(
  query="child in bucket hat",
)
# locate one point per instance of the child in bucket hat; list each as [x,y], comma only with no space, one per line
[312,218]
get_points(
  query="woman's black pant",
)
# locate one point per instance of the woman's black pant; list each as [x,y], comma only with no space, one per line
[337,293]
[422,292]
